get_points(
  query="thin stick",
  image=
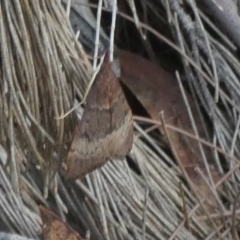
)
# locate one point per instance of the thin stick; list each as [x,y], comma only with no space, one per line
[13,164]
[68,8]
[184,206]
[176,129]
[86,93]
[99,14]
[226,214]
[113,25]
[234,230]
[145,213]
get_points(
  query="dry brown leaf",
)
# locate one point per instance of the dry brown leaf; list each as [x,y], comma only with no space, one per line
[157,90]
[54,228]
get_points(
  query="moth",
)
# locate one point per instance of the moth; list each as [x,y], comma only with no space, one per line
[106,129]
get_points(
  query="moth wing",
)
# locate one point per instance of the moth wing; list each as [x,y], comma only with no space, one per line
[90,147]
[85,156]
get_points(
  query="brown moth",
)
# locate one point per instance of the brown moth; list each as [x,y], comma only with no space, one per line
[106,128]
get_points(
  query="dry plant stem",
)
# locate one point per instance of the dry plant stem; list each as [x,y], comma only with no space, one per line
[113,25]
[216,156]
[154,145]
[160,189]
[33,191]
[68,8]
[121,207]
[14,172]
[62,209]
[187,177]
[194,7]
[126,166]
[114,212]
[90,184]
[157,174]
[84,207]
[217,31]
[135,16]
[187,134]
[201,87]
[98,22]
[115,204]
[181,225]
[87,235]
[200,146]
[227,214]
[86,92]
[31,117]
[148,130]
[115,209]
[225,13]
[33,102]
[29,60]
[227,175]
[234,139]
[184,221]
[59,93]
[86,191]
[194,128]
[98,190]
[6,62]
[107,207]
[233,147]
[35,121]
[46,186]
[142,31]
[25,222]
[184,207]
[145,213]
[169,14]
[121,233]
[48,40]
[107,211]
[212,189]
[213,234]
[136,198]
[219,127]
[234,223]
[227,54]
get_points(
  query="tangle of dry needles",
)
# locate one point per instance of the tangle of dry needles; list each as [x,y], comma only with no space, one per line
[45,72]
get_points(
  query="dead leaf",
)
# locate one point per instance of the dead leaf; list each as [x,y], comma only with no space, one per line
[157,90]
[54,228]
